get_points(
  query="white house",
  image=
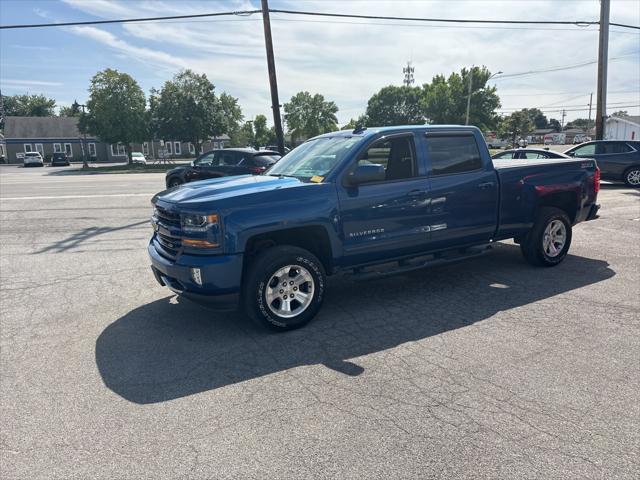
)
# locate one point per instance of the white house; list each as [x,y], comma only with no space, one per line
[622,128]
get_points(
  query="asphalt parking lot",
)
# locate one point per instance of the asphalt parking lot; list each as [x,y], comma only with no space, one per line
[484,369]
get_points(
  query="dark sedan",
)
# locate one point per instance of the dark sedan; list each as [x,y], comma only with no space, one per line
[60,159]
[222,163]
[619,160]
[528,153]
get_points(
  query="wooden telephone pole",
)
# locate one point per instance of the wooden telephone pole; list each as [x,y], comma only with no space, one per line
[603,55]
[271,65]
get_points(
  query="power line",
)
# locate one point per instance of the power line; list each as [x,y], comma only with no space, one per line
[580,23]
[130,20]
[560,68]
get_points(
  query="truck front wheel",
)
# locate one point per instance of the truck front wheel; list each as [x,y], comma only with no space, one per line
[547,243]
[284,287]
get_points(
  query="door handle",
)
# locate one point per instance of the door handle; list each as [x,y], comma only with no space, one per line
[417,193]
[486,185]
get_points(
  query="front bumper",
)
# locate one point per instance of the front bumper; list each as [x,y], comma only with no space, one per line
[221,277]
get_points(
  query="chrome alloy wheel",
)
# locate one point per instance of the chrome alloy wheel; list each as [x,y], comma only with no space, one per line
[555,236]
[289,291]
[633,177]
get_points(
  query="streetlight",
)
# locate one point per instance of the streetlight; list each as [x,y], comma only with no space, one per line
[469,96]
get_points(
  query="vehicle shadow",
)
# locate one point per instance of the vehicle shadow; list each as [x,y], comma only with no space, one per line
[172,348]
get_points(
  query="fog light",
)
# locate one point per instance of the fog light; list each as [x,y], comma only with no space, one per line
[196,275]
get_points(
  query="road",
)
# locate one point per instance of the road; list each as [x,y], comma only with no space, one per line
[485,369]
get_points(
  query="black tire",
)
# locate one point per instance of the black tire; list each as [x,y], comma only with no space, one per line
[174,182]
[263,268]
[533,244]
[632,177]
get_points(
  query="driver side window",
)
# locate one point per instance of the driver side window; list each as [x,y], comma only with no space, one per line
[585,151]
[396,155]
[205,160]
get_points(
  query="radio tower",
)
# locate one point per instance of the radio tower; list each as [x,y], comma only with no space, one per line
[408,74]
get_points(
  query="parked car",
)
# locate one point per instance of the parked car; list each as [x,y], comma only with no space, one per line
[138,157]
[59,159]
[619,160]
[581,138]
[274,148]
[222,163]
[366,202]
[528,154]
[496,143]
[33,159]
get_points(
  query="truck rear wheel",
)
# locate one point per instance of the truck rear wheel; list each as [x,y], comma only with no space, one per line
[548,242]
[284,288]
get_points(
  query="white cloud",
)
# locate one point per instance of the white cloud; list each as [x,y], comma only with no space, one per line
[348,60]
[18,83]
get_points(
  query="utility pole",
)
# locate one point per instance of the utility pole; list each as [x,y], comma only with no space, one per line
[564,114]
[590,103]
[603,56]
[84,141]
[469,96]
[271,65]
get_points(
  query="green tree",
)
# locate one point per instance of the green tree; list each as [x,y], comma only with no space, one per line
[188,110]
[231,113]
[583,123]
[620,113]
[516,125]
[243,136]
[538,118]
[116,109]
[262,134]
[71,111]
[309,115]
[446,99]
[395,105]
[555,124]
[361,121]
[28,106]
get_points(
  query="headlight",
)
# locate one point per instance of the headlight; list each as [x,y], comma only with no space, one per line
[197,223]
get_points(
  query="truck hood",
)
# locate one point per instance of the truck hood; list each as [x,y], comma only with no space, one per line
[226,187]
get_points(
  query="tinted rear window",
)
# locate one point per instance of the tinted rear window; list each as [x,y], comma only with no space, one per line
[265,160]
[453,154]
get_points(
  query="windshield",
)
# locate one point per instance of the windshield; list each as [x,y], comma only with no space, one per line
[315,158]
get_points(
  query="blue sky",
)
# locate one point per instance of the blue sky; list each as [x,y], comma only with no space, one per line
[345,60]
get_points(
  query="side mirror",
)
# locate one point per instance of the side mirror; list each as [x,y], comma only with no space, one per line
[571,154]
[370,172]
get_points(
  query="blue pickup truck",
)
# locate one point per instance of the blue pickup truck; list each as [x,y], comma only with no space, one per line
[365,202]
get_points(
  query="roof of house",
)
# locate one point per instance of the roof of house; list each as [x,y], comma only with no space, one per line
[542,131]
[41,127]
[628,118]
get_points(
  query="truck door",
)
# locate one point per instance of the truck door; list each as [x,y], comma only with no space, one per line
[463,197]
[386,218]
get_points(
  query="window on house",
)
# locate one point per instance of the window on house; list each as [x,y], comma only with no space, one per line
[68,150]
[169,149]
[27,148]
[145,148]
[192,149]
[39,148]
[177,148]
[451,154]
[1,150]
[92,149]
[118,151]
[57,148]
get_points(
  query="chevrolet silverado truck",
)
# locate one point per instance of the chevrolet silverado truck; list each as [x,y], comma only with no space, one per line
[367,202]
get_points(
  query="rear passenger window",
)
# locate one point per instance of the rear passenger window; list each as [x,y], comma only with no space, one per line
[453,154]
[613,147]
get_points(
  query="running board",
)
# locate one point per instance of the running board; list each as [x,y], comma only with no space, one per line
[416,263]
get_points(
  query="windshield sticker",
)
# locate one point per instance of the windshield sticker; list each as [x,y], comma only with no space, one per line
[316,179]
